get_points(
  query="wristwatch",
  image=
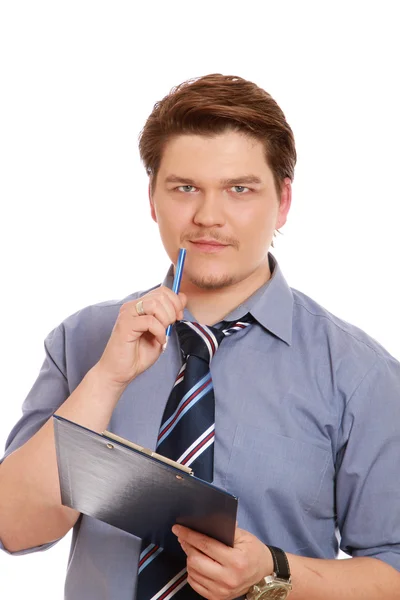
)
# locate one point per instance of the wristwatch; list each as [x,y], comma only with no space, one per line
[276,586]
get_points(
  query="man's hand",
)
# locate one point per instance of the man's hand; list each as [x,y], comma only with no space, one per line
[218,572]
[137,340]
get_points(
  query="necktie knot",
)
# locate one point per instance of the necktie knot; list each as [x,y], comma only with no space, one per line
[202,340]
[198,340]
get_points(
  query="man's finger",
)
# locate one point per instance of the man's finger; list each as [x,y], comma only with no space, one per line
[212,548]
[198,587]
[202,564]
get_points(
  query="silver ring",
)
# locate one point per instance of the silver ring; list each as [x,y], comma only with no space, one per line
[139,308]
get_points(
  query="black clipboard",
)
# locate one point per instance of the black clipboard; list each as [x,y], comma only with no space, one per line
[132,488]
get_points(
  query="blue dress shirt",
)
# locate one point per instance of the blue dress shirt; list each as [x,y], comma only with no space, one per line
[307,431]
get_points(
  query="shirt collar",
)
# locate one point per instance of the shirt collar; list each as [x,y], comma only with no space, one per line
[271,305]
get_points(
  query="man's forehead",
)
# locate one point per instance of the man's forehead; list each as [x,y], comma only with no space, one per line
[223,157]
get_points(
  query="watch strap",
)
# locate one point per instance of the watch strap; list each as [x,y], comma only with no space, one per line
[281,563]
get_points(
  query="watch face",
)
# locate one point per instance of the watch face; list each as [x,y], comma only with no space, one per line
[275,592]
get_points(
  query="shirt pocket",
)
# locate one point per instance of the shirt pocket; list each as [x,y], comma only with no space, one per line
[269,471]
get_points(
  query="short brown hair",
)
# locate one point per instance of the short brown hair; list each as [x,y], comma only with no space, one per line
[215,103]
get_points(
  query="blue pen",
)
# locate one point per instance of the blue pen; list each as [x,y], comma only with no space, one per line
[176,284]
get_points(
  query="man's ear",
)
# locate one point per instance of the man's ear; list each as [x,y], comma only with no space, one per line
[285,203]
[152,208]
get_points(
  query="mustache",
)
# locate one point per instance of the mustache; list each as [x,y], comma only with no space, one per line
[210,235]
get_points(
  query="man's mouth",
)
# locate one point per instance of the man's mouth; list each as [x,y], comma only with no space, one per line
[208,245]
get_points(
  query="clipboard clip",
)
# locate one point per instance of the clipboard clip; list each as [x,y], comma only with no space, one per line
[160,457]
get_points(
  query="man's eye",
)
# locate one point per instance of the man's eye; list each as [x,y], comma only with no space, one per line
[240,189]
[186,188]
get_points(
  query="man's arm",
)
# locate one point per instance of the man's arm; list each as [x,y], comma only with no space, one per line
[349,579]
[218,572]
[31,513]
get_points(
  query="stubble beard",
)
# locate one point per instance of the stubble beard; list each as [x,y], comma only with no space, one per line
[212,282]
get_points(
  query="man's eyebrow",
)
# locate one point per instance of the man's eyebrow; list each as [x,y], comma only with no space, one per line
[247,179]
[242,179]
[178,179]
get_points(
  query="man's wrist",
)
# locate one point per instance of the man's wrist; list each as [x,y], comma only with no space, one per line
[276,581]
[97,374]
[267,564]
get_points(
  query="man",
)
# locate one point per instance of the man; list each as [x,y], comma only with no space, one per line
[307,407]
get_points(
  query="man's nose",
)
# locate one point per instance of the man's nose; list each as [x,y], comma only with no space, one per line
[210,210]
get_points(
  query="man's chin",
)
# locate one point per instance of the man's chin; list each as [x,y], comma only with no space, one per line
[212,282]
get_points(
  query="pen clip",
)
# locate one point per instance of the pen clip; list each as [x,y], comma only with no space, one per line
[160,457]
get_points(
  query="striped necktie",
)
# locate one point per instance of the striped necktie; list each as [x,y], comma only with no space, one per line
[187,436]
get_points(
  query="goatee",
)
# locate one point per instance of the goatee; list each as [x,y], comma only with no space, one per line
[210,282]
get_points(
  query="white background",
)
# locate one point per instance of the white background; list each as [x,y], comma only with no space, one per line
[78,80]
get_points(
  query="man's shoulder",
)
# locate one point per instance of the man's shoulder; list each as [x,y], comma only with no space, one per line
[318,321]
[101,314]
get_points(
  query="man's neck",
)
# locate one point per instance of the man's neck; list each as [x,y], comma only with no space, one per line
[212,306]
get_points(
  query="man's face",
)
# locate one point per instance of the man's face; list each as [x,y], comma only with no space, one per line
[215,196]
